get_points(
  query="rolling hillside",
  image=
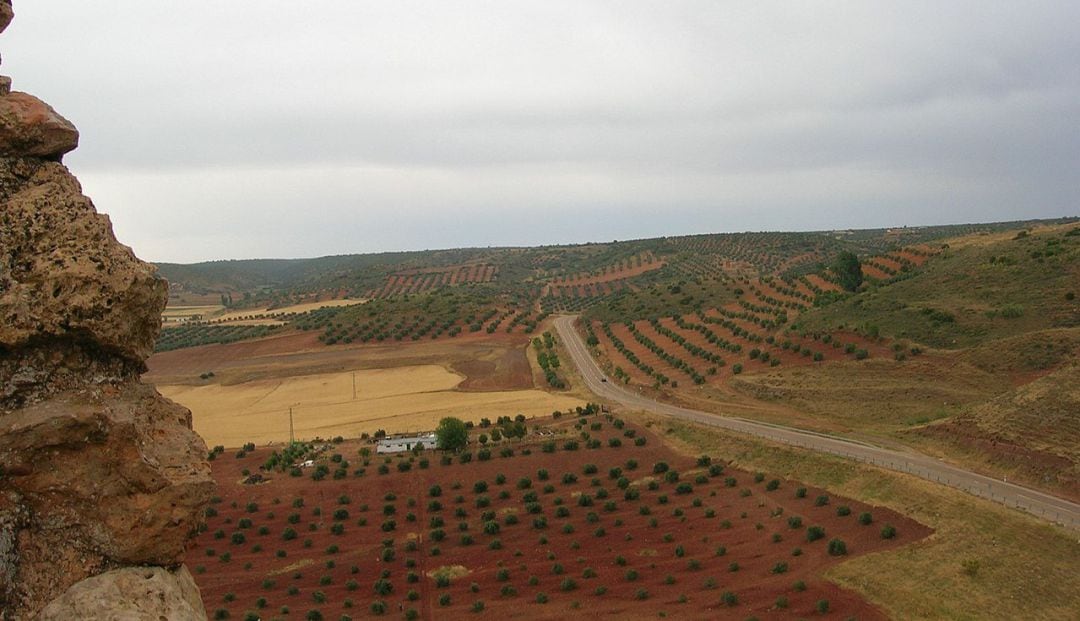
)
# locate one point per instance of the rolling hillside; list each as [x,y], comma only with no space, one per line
[958,341]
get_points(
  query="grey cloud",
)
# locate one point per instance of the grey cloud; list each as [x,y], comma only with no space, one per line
[680,116]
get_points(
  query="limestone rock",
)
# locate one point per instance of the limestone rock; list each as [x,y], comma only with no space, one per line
[101,476]
[63,275]
[6,14]
[30,127]
[131,594]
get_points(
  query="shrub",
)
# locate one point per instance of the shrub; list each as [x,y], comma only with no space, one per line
[772,485]
[729,598]
[378,607]
[888,532]
[383,587]
[837,547]
[822,606]
[970,567]
[843,510]
[865,518]
[800,492]
[814,533]
[821,501]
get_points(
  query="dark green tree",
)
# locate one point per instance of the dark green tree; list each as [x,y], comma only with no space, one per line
[848,270]
[451,434]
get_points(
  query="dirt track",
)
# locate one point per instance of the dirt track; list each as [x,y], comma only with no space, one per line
[1042,505]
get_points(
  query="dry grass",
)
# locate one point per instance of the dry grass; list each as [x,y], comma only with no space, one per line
[875,396]
[395,399]
[1026,569]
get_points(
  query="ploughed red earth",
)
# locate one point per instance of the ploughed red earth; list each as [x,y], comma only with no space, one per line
[531,534]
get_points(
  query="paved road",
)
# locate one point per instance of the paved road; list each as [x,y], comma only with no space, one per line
[1042,505]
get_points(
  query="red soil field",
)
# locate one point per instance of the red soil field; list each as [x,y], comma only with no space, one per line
[888,262]
[806,257]
[645,355]
[917,259]
[872,272]
[697,338]
[787,357]
[821,283]
[510,372]
[299,346]
[660,549]
[422,279]
[770,291]
[622,271]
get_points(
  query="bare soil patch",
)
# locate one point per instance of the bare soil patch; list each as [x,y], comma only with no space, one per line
[508,371]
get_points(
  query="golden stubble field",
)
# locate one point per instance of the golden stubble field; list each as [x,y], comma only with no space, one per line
[399,399]
[399,388]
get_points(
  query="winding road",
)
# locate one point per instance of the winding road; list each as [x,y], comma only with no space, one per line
[1045,506]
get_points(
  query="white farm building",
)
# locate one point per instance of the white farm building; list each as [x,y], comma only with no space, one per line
[401,444]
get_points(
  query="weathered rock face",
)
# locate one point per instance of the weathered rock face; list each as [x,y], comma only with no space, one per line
[97,471]
[150,593]
[63,276]
[29,126]
[5,14]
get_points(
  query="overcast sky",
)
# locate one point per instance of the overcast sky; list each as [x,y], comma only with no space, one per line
[242,128]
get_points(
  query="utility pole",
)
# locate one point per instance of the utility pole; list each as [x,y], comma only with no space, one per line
[292,436]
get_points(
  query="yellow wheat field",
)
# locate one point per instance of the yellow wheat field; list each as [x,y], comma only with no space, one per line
[399,399]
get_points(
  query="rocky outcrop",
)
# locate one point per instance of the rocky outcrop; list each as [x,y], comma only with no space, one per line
[5,14]
[97,470]
[150,593]
[29,126]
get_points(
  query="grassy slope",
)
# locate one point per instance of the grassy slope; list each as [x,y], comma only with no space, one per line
[1031,433]
[1026,568]
[994,420]
[977,293]
[875,396]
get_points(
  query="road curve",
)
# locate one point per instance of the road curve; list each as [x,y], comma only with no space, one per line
[1042,505]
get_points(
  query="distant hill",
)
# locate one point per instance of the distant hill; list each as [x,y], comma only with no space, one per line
[588,273]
